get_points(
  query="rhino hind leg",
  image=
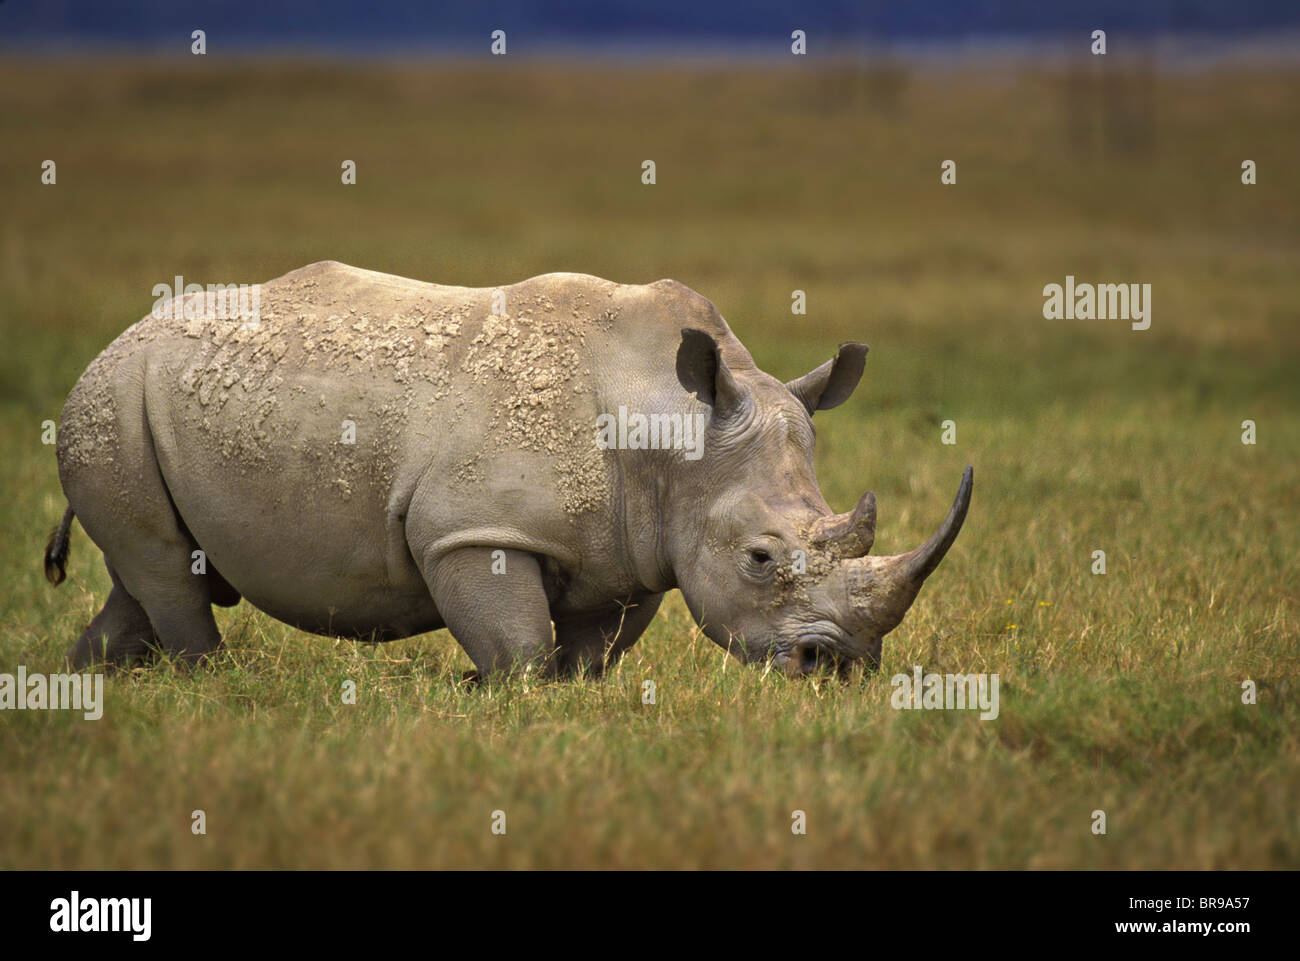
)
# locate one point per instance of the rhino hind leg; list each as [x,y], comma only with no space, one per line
[127,510]
[177,601]
[590,644]
[502,620]
[117,636]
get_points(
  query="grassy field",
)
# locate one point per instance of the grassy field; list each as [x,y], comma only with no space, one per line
[1119,692]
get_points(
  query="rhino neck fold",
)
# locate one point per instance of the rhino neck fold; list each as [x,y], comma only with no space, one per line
[645,518]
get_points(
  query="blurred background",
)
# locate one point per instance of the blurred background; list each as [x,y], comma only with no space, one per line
[775,172]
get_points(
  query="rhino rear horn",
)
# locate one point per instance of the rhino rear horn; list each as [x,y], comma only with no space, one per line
[851,534]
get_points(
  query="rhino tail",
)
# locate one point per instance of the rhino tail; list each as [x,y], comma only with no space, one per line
[56,550]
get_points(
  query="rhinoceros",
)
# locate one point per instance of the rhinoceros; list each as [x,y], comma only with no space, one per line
[532,467]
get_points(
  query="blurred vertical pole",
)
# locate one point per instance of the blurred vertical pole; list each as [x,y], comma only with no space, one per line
[1109,115]
[1080,103]
[1128,95]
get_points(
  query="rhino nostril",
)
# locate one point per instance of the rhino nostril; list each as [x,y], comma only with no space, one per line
[807,658]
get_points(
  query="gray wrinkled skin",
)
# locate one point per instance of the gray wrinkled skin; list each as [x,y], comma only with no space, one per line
[469,491]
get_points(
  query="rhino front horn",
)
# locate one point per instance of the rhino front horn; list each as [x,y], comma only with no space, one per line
[922,561]
[881,589]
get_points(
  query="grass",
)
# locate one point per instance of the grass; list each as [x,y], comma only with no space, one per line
[1119,692]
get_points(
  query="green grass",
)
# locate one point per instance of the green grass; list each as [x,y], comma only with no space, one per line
[1118,692]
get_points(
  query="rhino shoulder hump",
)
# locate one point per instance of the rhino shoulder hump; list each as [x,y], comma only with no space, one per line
[690,305]
[319,269]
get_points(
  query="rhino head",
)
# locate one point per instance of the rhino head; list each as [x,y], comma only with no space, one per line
[767,570]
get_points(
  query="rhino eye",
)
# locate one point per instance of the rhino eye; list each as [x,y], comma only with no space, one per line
[759,556]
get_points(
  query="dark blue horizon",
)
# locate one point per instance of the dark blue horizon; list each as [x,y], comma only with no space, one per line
[346,24]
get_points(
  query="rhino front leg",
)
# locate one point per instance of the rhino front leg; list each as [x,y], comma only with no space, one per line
[497,612]
[592,643]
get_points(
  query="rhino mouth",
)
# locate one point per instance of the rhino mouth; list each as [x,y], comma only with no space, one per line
[820,652]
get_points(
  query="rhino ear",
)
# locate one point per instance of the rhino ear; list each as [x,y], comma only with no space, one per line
[702,372]
[831,384]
